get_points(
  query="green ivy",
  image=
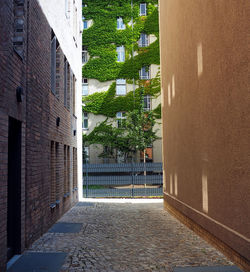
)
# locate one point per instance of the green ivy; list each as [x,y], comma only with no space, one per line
[102,38]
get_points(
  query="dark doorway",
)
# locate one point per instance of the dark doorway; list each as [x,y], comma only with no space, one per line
[14,188]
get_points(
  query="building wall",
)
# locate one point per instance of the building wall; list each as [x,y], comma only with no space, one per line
[206,117]
[37,113]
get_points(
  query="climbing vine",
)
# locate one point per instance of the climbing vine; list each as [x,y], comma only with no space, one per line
[102,38]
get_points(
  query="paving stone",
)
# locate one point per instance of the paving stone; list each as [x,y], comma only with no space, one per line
[38,262]
[128,237]
[64,227]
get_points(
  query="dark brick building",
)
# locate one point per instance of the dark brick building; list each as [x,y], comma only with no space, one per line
[38,131]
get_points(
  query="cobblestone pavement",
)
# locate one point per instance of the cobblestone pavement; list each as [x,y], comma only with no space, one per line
[128,237]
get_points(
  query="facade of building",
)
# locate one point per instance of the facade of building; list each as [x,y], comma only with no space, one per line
[206,117]
[119,44]
[40,80]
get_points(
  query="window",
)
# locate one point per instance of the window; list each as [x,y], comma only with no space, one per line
[85,120]
[144,72]
[75,21]
[143,42]
[85,86]
[53,62]
[147,103]
[120,86]
[143,9]
[67,8]
[85,154]
[84,54]
[120,116]
[66,81]
[120,24]
[85,23]
[120,53]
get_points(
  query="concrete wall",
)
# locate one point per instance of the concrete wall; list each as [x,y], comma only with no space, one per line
[206,117]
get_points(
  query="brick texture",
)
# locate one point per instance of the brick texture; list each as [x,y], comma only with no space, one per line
[38,113]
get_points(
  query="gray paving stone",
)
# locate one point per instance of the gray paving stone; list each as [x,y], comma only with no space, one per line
[208,269]
[128,237]
[38,262]
[64,227]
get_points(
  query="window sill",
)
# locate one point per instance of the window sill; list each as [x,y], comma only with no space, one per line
[52,206]
[85,129]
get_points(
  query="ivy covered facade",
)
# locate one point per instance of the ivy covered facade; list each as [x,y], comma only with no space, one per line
[120,61]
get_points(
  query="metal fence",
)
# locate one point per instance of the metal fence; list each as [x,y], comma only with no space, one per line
[122,180]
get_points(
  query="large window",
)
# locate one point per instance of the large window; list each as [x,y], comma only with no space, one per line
[84,54]
[85,120]
[120,24]
[120,86]
[147,103]
[120,53]
[144,72]
[67,8]
[53,62]
[143,42]
[143,9]
[120,116]
[85,87]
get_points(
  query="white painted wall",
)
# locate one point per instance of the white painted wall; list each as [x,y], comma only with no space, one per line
[54,10]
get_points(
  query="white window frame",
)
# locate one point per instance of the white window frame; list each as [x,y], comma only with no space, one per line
[67,9]
[121,87]
[85,121]
[85,87]
[147,103]
[143,12]
[120,53]
[120,24]
[85,56]
[86,150]
[121,115]
[144,73]
[146,40]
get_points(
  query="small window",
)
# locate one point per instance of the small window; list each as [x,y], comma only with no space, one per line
[85,154]
[147,103]
[84,55]
[85,120]
[143,42]
[120,53]
[85,23]
[120,24]
[121,87]
[143,9]
[120,116]
[85,87]
[144,72]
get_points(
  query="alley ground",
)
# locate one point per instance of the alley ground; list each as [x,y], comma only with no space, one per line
[127,237]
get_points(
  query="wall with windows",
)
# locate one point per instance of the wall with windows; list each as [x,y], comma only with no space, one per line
[122,47]
[39,107]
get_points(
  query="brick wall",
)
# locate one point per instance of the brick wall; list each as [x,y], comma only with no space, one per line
[38,113]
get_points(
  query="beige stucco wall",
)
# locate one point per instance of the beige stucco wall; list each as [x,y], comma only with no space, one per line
[206,115]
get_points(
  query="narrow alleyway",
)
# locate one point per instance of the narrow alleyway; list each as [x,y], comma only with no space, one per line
[127,237]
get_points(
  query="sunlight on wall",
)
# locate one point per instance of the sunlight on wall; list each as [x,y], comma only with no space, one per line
[199,59]
[171,184]
[173,86]
[175,184]
[204,193]
[169,95]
